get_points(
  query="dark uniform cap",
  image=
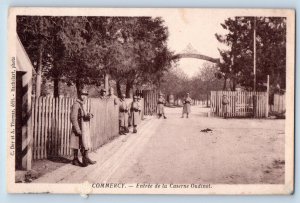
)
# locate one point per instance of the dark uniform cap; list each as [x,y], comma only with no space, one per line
[84,92]
[103,90]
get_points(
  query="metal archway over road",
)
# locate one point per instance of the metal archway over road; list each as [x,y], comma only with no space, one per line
[197,56]
[190,52]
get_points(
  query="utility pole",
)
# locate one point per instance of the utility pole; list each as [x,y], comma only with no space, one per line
[254,69]
[106,83]
[254,54]
[40,65]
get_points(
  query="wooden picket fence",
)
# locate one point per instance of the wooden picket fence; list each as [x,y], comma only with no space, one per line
[241,104]
[279,103]
[104,126]
[51,124]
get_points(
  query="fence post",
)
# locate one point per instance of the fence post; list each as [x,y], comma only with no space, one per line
[254,104]
[31,103]
[267,99]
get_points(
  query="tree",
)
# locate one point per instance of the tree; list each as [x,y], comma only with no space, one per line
[175,82]
[237,63]
[178,83]
[82,50]
[35,33]
[140,55]
[81,62]
[205,81]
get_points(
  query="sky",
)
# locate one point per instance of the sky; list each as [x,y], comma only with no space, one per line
[198,29]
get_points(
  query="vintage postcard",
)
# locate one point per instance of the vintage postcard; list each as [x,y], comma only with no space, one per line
[150,101]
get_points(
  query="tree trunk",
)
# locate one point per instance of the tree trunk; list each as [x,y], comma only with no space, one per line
[119,92]
[56,87]
[224,84]
[207,98]
[128,89]
[39,73]
[78,87]
[55,81]
[233,84]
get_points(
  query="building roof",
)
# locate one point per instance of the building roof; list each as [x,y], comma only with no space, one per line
[23,62]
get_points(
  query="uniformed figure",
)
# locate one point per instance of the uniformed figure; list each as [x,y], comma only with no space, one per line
[112,96]
[103,94]
[80,136]
[160,106]
[123,115]
[135,111]
[187,105]
[225,103]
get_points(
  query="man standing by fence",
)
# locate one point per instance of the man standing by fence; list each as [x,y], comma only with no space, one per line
[123,116]
[112,96]
[80,137]
[160,106]
[225,103]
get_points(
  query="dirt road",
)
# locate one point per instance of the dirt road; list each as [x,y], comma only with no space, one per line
[177,150]
[235,151]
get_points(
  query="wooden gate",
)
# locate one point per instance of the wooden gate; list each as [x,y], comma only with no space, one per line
[241,104]
[150,101]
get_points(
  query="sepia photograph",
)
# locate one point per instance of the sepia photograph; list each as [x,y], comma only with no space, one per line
[151,101]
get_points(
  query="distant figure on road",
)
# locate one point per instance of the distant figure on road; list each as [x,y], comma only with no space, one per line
[160,106]
[123,116]
[186,105]
[80,136]
[135,112]
[225,103]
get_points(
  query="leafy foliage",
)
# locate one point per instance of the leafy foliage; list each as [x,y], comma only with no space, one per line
[81,50]
[271,51]
[176,82]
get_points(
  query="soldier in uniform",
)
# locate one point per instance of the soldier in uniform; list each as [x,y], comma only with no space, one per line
[160,106]
[186,106]
[123,116]
[80,137]
[139,98]
[112,96]
[135,113]
[225,103]
[102,94]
